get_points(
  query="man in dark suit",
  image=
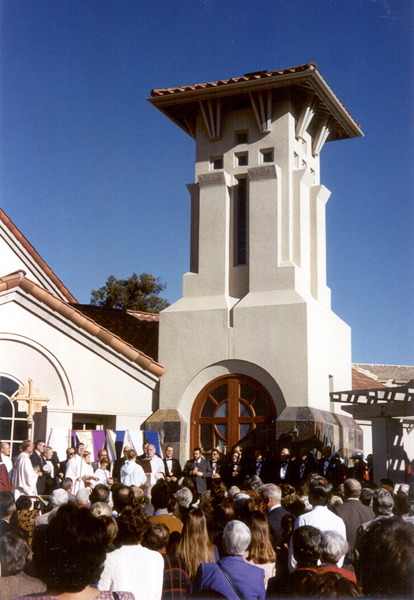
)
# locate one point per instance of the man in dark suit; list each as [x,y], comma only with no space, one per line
[199,470]
[38,461]
[173,472]
[217,467]
[330,466]
[353,513]
[119,463]
[271,495]
[70,453]
[231,577]
[286,469]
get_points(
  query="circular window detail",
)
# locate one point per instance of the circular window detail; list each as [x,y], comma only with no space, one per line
[233,409]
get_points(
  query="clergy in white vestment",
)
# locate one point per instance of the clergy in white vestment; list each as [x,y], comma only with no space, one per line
[155,469]
[131,472]
[24,477]
[78,470]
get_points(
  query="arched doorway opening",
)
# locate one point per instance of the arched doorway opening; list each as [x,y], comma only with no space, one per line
[231,409]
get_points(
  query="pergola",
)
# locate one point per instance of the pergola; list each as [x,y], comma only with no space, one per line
[390,410]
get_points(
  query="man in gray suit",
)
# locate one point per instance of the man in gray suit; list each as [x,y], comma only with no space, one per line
[199,470]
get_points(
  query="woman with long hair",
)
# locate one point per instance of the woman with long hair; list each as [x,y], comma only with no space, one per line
[260,551]
[194,546]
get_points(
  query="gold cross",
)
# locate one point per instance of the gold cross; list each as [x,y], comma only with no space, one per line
[30,399]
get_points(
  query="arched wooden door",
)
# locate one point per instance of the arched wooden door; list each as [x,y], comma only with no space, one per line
[232,409]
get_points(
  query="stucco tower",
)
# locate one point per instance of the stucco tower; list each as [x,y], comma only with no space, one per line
[253,334]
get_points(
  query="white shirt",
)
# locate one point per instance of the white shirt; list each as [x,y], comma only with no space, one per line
[323,519]
[132,474]
[24,478]
[134,569]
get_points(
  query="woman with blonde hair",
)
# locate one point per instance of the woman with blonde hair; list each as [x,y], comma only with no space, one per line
[260,551]
[194,546]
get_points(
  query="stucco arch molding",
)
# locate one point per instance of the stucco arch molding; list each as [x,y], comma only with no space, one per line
[228,367]
[30,370]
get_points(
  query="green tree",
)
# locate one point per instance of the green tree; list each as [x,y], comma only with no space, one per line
[136,293]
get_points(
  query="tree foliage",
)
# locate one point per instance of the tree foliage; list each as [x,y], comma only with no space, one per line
[136,293]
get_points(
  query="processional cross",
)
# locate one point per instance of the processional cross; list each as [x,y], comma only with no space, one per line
[30,401]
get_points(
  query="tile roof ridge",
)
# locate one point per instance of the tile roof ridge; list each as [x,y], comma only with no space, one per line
[143,315]
[35,255]
[311,66]
[19,279]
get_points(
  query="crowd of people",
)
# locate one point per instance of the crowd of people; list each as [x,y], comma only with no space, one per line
[246,526]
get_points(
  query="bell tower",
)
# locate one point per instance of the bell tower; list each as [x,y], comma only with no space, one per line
[255,300]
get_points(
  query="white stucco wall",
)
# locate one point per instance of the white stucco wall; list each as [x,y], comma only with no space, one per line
[77,372]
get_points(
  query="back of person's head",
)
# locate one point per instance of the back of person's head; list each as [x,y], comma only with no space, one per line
[100,508]
[82,497]
[287,524]
[294,504]
[156,537]
[236,537]
[122,496]
[320,491]
[189,483]
[23,502]
[111,528]
[224,513]
[58,497]
[401,505]
[138,494]
[302,487]
[7,504]
[15,554]
[366,496]
[331,585]
[386,559]
[334,547]
[352,488]
[160,495]
[233,490]
[382,502]
[69,553]
[100,493]
[307,545]
[286,489]
[218,489]
[131,454]
[66,484]
[184,497]
[271,491]
[132,524]
[252,482]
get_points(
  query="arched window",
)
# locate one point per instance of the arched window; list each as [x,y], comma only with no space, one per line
[13,423]
[232,409]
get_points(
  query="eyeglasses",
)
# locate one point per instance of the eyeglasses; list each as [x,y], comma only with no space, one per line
[71,454]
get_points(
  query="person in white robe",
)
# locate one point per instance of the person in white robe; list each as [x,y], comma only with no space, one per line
[155,470]
[24,477]
[131,472]
[103,474]
[79,470]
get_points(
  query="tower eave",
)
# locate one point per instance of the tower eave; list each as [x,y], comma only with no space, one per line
[177,103]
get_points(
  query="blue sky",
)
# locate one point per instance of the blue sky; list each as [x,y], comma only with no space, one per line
[95,177]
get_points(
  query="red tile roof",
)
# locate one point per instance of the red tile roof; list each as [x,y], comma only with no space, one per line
[221,82]
[36,256]
[364,381]
[19,279]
